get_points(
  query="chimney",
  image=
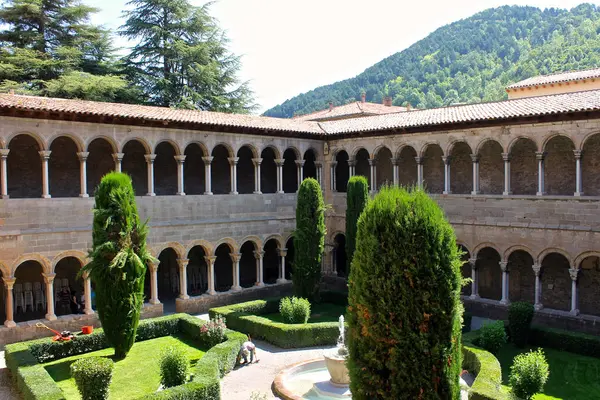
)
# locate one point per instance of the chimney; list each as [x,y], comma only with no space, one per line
[330,105]
[12,92]
[363,97]
[387,101]
[408,107]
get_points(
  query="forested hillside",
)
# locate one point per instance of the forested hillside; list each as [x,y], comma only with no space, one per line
[470,60]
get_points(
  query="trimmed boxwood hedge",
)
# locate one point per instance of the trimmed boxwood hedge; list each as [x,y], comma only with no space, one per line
[25,359]
[558,339]
[488,380]
[246,317]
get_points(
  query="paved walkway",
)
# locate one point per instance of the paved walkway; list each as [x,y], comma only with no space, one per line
[7,390]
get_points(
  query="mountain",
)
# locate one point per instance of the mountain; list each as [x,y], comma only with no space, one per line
[470,60]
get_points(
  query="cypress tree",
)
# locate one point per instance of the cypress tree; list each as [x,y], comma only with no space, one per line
[309,240]
[119,260]
[404,314]
[356,200]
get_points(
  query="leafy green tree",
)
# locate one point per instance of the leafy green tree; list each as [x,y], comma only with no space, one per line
[309,240]
[119,260]
[356,200]
[404,313]
[181,59]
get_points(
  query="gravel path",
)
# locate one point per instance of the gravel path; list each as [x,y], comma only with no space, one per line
[7,390]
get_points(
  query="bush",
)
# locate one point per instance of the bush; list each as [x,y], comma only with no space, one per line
[92,376]
[529,374]
[309,240]
[492,336]
[356,200]
[405,249]
[467,318]
[294,310]
[488,374]
[213,332]
[173,367]
[573,342]
[119,259]
[520,315]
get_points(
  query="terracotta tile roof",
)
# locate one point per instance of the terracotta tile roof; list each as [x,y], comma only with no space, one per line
[148,113]
[350,110]
[556,78]
[501,110]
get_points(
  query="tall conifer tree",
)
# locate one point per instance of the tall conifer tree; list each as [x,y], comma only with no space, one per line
[180,58]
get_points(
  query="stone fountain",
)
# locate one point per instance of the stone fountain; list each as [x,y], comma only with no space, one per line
[335,360]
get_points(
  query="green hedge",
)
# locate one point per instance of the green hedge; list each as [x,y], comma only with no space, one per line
[486,367]
[246,317]
[558,339]
[24,360]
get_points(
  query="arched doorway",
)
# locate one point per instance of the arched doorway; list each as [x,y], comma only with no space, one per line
[523,167]
[556,282]
[193,170]
[309,168]
[588,286]
[342,171]
[165,170]
[220,170]
[271,262]
[168,276]
[559,166]
[362,167]
[268,171]
[134,164]
[461,169]
[289,259]
[290,172]
[66,278]
[590,166]
[521,282]
[63,168]
[489,274]
[29,292]
[99,162]
[340,255]
[248,265]
[245,170]
[223,268]
[24,168]
[384,170]
[433,169]
[197,271]
[407,167]
[491,168]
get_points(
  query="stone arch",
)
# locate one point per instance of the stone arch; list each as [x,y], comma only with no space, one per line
[29,288]
[254,239]
[342,171]
[64,168]
[521,281]
[590,165]
[514,248]
[290,170]
[271,261]
[523,166]
[134,164]
[165,169]
[583,256]
[67,276]
[197,268]
[480,246]
[248,263]
[220,169]
[193,169]
[339,255]
[231,243]
[201,146]
[176,247]
[114,146]
[362,167]
[173,144]
[38,139]
[484,142]
[310,167]
[491,167]
[251,147]
[588,282]
[489,274]
[274,149]
[223,266]
[206,246]
[461,167]
[433,168]
[4,270]
[465,268]
[140,140]
[407,166]
[555,280]
[79,145]
[79,255]
[40,259]
[268,169]
[550,250]
[24,166]
[384,170]
[100,161]
[277,238]
[355,152]
[246,169]
[289,259]
[168,272]
[559,166]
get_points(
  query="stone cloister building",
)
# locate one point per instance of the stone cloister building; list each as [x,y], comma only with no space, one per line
[519,180]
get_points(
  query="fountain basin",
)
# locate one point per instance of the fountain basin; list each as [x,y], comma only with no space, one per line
[336,365]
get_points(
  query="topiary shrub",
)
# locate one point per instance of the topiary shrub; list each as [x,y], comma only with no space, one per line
[119,260]
[492,336]
[404,314]
[92,376]
[309,240]
[356,200]
[294,310]
[529,374]
[174,367]
[520,315]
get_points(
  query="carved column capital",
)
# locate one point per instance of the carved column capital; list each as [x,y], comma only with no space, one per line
[180,159]
[150,158]
[182,262]
[118,156]
[473,263]
[83,155]
[9,282]
[419,160]
[537,268]
[279,162]
[210,260]
[475,158]
[207,160]
[540,155]
[259,254]
[282,252]
[256,161]
[45,155]
[4,153]
[578,154]
[506,156]
[446,160]
[573,273]
[351,163]
[300,163]
[153,266]
[504,266]
[235,257]
[233,160]
[49,278]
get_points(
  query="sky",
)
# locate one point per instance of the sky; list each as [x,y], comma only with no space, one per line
[289,47]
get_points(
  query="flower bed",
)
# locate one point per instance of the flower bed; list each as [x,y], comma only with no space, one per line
[25,359]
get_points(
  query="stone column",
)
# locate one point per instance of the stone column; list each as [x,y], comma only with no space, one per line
[279,162]
[504,268]
[352,166]
[207,175]
[45,155]
[180,183]
[419,161]
[446,160]
[372,182]
[8,284]
[475,159]
[87,294]
[282,254]
[118,157]
[537,268]
[259,265]
[182,263]
[396,173]
[4,174]
[540,155]
[210,263]
[83,173]
[300,166]
[506,158]
[573,273]
[474,279]
[233,168]
[150,162]
[154,283]
[235,258]
[49,280]
[257,162]
[578,180]
[319,167]
[333,182]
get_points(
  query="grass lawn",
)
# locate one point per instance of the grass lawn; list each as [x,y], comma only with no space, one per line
[571,376]
[323,312]
[137,375]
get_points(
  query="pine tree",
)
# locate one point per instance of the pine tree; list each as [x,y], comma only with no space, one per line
[181,57]
[356,200]
[119,260]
